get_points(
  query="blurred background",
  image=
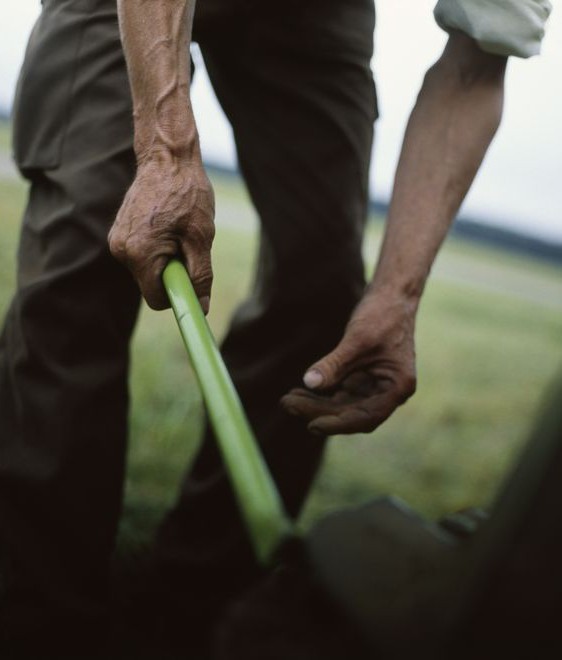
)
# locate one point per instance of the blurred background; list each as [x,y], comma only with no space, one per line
[490,326]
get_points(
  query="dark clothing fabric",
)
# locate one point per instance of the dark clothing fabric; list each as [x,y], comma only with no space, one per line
[513,584]
[64,347]
[295,83]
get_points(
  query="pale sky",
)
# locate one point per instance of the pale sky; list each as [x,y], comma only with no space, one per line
[520,184]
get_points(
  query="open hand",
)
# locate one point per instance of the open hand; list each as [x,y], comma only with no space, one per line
[168,212]
[367,376]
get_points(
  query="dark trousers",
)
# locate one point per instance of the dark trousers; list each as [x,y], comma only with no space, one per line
[297,89]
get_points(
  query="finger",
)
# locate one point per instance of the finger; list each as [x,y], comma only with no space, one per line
[117,237]
[198,262]
[147,267]
[309,406]
[361,417]
[133,251]
[149,278]
[352,420]
[332,368]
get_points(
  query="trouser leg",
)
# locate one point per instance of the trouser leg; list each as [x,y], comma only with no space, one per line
[298,91]
[64,347]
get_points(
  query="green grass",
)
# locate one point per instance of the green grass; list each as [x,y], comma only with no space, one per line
[5,136]
[484,360]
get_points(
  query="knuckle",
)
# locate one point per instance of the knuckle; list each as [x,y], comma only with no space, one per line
[135,252]
[202,277]
[116,244]
[370,427]
[411,384]
[368,421]
[210,232]
[202,234]
[207,237]
[358,418]
[408,387]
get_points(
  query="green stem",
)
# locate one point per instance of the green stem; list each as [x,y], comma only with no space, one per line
[258,498]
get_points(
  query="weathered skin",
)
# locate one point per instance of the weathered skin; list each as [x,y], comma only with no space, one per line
[169,209]
[372,370]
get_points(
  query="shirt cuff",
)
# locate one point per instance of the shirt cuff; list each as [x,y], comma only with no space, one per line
[501,27]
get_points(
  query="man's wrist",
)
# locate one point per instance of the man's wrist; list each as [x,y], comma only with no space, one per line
[160,155]
[398,285]
[165,137]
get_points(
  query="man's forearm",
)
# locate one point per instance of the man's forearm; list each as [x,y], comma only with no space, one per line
[156,36]
[169,209]
[453,122]
[372,370]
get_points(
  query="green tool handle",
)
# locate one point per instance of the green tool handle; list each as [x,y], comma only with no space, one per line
[258,498]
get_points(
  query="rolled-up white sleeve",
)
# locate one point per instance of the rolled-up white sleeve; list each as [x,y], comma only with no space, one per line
[502,27]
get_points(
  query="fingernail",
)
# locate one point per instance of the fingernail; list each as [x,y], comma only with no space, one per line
[313,379]
[205,302]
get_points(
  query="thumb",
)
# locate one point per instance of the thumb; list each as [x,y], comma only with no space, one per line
[330,370]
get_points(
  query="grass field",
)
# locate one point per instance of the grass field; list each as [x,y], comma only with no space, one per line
[484,361]
[4,136]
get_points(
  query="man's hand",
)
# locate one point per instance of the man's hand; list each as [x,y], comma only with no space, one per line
[168,212]
[367,376]
[372,370]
